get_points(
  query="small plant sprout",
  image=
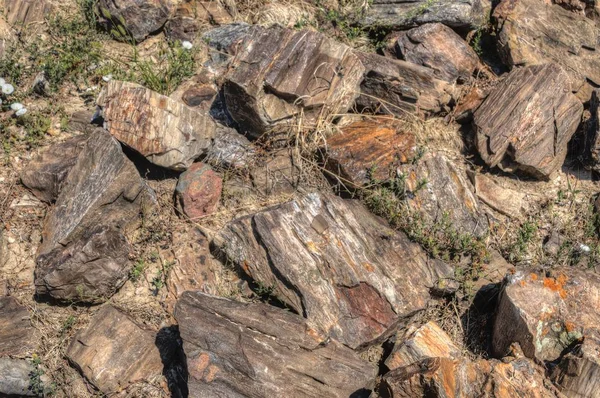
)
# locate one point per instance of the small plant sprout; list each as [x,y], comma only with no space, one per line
[8,89]
[187,45]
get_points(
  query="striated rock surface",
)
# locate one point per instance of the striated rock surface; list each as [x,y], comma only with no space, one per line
[436,46]
[113,352]
[534,32]
[255,350]
[16,332]
[166,132]
[332,261]
[230,149]
[368,150]
[198,191]
[396,87]
[527,120]
[191,16]
[504,200]
[136,19]
[25,12]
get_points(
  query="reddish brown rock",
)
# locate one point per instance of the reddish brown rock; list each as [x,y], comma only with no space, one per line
[198,191]
[368,150]
[436,46]
[17,335]
[468,103]
[527,121]
[132,20]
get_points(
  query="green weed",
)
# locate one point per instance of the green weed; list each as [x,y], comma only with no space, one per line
[138,270]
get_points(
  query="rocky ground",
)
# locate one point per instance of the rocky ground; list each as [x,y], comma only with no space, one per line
[299,199]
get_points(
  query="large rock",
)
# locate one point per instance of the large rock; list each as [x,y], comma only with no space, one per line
[132,20]
[16,332]
[83,255]
[198,191]
[278,74]
[113,352]
[15,378]
[45,174]
[168,133]
[345,270]
[368,151]
[527,120]
[554,318]
[437,46]
[534,32]
[395,87]
[255,350]
[25,12]
[403,14]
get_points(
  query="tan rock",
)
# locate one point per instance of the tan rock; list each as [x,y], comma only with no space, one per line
[25,12]
[504,200]
[17,335]
[191,16]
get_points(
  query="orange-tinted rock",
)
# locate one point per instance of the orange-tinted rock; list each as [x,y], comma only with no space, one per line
[198,191]
[370,149]
[469,103]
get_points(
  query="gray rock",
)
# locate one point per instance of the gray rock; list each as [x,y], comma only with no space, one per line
[17,335]
[132,19]
[15,378]
[229,149]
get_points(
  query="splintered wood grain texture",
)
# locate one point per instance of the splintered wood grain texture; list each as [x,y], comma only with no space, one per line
[16,332]
[166,132]
[254,350]
[527,120]
[24,12]
[321,254]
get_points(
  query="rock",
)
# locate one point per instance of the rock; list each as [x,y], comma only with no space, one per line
[527,120]
[553,244]
[593,131]
[25,12]
[191,16]
[436,46]
[532,32]
[256,350]
[166,132]
[439,192]
[230,149]
[504,200]
[404,14]
[41,85]
[469,103]
[83,255]
[196,96]
[395,87]
[17,335]
[345,270]
[132,20]
[576,6]
[198,191]
[553,318]
[276,174]
[113,352]
[46,173]
[278,74]
[15,378]
[368,150]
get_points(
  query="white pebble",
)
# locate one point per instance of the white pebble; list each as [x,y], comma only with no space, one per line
[187,45]
[17,106]
[8,89]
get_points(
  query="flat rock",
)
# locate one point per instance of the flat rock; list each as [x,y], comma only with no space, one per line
[532,32]
[83,255]
[329,259]
[25,12]
[368,150]
[113,352]
[395,87]
[198,191]
[436,46]
[256,350]
[276,174]
[15,378]
[506,201]
[554,318]
[404,14]
[190,17]
[527,121]
[135,20]
[438,191]
[45,174]
[168,133]
[16,332]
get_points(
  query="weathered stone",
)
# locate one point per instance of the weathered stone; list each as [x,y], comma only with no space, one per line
[593,131]
[347,272]
[368,150]
[527,120]
[196,96]
[437,190]
[83,255]
[166,132]
[191,16]
[504,200]
[395,87]
[15,378]
[436,46]
[554,318]
[45,174]
[198,191]
[113,352]
[278,74]
[16,332]
[276,174]
[533,32]
[230,149]
[403,14]
[136,20]
[26,12]
[468,103]
[576,6]
[256,350]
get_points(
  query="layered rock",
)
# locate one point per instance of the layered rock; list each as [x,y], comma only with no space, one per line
[553,318]
[533,32]
[113,352]
[403,14]
[345,270]
[168,133]
[26,12]
[198,191]
[83,255]
[255,350]
[437,46]
[17,335]
[368,150]
[132,20]
[527,120]
[191,16]
[230,149]
[506,201]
